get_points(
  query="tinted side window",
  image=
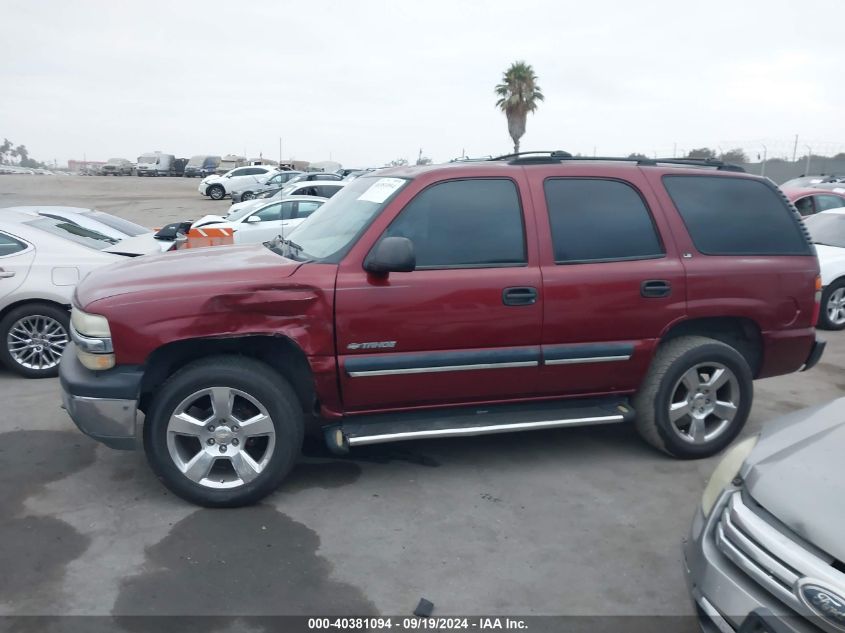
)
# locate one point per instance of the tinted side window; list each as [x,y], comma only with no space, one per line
[736,216]
[287,210]
[823,203]
[599,220]
[239,172]
[805,206]
[304,209]
[271,213]
[326,192]
[9,245]
[464,223]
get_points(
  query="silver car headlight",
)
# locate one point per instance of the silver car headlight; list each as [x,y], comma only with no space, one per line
[726,471]
[92,336]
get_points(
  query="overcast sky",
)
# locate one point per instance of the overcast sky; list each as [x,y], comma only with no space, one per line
[367,81]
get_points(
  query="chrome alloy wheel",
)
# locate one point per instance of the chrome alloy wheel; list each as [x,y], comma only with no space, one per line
[836,307]
[220,437]
[37,342]
[704,402]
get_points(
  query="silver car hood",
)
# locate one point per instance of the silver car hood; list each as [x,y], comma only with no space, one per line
[796,472]
[144,244]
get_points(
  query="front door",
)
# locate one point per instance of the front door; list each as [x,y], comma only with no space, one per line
[465,325]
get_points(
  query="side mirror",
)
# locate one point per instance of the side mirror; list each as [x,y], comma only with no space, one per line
[391,255]
[253,219]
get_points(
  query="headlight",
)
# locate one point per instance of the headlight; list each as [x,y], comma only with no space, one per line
[92,336]
[725,472]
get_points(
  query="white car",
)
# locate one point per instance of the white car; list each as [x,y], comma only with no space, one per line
[99,221]
[827,230]
[265,221]
[218,187]
[318,189]
[41,260]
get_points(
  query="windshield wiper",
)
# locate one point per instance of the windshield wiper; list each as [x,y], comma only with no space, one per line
[285,248]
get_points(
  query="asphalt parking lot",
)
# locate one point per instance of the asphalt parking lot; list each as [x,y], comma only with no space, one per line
[584,521]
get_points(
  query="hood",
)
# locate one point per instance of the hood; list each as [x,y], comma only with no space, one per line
[244,205]
[201,271]
[795,472]
[207,219]
[212,178]
[145,244]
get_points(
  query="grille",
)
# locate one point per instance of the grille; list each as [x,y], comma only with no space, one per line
[769,556]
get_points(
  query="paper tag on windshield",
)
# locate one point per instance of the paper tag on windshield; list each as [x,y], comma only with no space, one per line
[381,190]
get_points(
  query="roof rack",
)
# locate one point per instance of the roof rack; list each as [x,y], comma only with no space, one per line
[557,156]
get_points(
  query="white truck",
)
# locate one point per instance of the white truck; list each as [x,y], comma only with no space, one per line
[155,164]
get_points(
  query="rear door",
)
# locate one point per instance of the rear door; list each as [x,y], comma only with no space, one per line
[15,260]
[465,325]
[612,280]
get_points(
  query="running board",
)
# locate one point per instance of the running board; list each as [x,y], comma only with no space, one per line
[467,421]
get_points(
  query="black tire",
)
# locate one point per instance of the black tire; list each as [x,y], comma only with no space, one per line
[824,318]
[216,192]
[257,380]
[48,310]
[658,390]
[247,195]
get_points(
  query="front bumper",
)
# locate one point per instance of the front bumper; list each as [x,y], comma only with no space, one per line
[104,404]
[724,596]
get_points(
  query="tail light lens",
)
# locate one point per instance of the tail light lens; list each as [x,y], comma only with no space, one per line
[818,301]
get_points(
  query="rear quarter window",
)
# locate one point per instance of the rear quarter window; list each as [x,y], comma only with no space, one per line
[736,216]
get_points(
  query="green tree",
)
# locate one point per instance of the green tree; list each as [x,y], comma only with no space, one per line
[519,94]
[637,156]
[701,152]
[735,155]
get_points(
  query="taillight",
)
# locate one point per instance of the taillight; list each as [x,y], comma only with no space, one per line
[818,301]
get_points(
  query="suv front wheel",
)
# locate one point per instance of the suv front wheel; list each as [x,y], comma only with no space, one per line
[224,431]
[695,398]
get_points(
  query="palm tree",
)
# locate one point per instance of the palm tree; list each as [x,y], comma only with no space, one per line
[519,94]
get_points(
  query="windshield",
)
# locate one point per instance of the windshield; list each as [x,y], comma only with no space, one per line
[74,233]
[148,159]
[196,161]
[119,224]
[237,215]
[115,161]
[827,229]
[335,226]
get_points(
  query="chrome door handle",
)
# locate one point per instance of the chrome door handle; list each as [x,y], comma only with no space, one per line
[5,274]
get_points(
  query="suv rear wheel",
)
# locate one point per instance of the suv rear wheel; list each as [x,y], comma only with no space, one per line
[224,431]
[695,398]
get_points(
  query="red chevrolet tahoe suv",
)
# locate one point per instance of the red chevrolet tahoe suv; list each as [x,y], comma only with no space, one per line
[525,292]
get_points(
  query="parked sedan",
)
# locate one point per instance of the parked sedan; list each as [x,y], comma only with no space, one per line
[828,233]
[306,188]
[251,190]
[811,200]
[264,221]
[41,260]
[105,223]
[766,552]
